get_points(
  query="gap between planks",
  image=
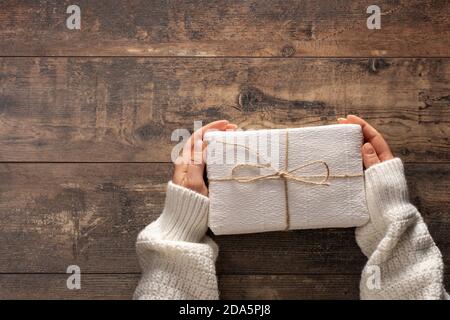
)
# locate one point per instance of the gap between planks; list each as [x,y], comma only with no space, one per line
[233,57]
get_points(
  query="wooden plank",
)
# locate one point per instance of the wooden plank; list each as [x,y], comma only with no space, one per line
[264,28]
[231,287]
[59,213]
[289,287]
[55,215]
[121,286]
[312,286]
[53,286]
[126,109]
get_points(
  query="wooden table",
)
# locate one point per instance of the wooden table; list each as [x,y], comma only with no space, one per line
[86,118]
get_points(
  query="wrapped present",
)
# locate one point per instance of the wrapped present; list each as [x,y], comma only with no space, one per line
[284,179]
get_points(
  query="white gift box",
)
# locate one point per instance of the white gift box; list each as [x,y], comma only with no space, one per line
[284,179]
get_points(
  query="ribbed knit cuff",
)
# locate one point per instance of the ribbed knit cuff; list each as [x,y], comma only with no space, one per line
[185,215]
[386,189]
[393,166]
[389,177]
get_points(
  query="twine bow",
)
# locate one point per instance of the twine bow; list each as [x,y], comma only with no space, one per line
[279,174]
[286,174]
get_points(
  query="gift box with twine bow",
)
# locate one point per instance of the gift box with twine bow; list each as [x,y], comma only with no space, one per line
[284,179]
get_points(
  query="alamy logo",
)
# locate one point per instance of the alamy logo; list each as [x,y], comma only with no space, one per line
[228,150]
[374,20]
[374,277]
[74,280]
[73,22]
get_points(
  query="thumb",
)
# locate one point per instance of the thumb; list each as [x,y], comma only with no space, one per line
[370,157]
[196,168]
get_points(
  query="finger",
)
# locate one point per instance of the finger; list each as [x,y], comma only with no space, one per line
[205,152]
[196,168]
[368,131]
[374,137]
[370,157]
[231,126]
[188,149]
[197,153]
[216,125]
[342,120]
[198,135]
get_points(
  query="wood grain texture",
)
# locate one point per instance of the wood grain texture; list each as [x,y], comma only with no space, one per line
[257,28]
[55,215]
[125,109]
[121,286]
[53,286]
[139,69]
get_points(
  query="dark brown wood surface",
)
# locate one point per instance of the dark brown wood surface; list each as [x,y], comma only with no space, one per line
[256,28]
[231,287]
[82,109]
[55,215]
[86,119]
[121,286]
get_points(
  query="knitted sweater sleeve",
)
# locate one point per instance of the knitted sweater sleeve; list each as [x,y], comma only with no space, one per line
[176,257]
[403,260]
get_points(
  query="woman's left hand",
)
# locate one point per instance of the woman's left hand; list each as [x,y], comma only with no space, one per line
[190,165]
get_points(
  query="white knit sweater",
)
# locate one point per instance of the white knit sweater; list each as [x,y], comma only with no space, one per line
[178,260]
